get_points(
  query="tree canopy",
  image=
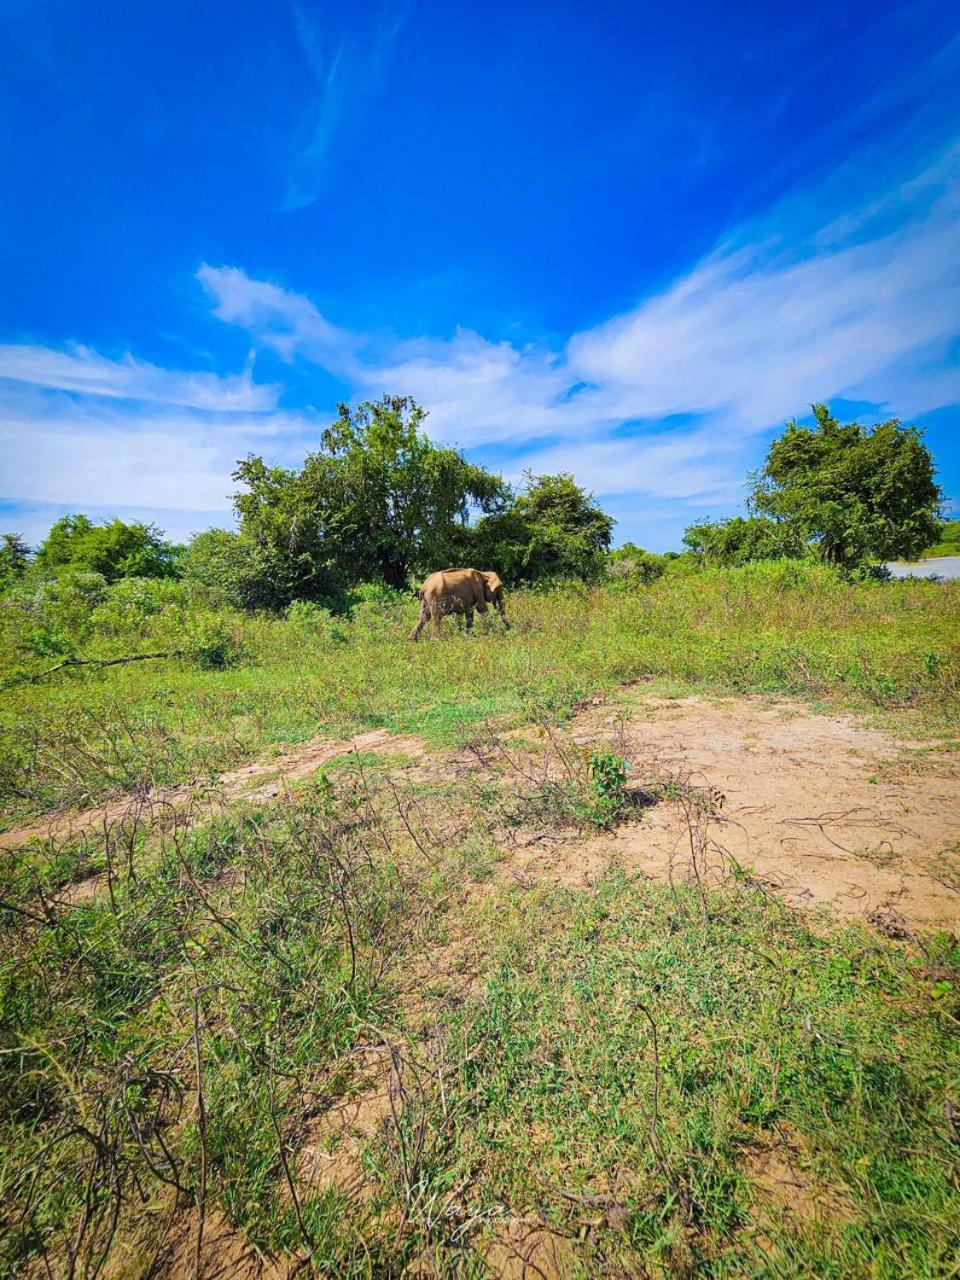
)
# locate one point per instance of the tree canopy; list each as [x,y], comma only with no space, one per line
[14,559]
[115,549]
[552,529]
[378,501]
[857,493]
[850,494]
[741,539]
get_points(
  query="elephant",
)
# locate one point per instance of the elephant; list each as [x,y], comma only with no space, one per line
[458,591]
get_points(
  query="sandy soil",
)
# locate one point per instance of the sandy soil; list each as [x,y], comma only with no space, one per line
[826,811]
[823,810]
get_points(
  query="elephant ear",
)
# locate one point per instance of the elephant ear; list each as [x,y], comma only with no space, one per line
[488,590]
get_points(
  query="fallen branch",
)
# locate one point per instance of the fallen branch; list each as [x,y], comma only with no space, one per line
[104,662]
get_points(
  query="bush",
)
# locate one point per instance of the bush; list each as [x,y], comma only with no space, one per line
[131,603]
[629,565]
[741,540]
[115,549]
[377,593]
[211,643]
[311,619]
[62,605]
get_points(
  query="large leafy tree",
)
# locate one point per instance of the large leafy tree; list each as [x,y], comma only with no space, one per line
[857,493]
[115,549]
[552,529]
[378,501]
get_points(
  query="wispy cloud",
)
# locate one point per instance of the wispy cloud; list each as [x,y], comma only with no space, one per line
[811,300]
[346,70]
[82,451]
[82,370]
[761,326]
[286,322]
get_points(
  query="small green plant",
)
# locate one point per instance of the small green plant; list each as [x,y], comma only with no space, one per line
[608,781]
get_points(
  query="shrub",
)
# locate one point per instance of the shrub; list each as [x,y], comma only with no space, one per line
[211,643]
[311,619]
[59,604]
[115,549]
[130,603]
[740,540]
[608,781]
[630,565]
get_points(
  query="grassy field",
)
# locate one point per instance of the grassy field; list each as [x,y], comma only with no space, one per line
[85,733]
[628,1079]
[949,544]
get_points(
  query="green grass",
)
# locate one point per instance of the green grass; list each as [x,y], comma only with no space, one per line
[84,734]
[252,960]
[228,964]
[949,544]
[768,1035]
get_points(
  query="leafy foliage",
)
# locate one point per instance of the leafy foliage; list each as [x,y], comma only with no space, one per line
[630,564]
[237,568]
[948,543]
[740,540]
[14,559]
[608,780]
[115,549]
[553,529]
[377,502]
[858,493]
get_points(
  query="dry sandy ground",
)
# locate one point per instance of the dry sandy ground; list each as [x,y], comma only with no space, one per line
[259,780]
[825,811]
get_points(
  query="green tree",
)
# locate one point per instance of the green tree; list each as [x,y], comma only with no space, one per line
[742,539]
[377,502]
[552,529]
[631,564]
[115,549]
[857,493]
[14,559]
[230,565]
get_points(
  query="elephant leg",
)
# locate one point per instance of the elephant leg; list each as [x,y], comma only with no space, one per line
[423,620]
[436,614]
[468,619]
[503,617]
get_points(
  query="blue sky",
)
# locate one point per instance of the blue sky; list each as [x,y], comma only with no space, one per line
[625,240]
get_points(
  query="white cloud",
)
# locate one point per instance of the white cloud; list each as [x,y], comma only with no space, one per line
[59,450]
[807,302]
[83,371]
[288,323]
[759,335]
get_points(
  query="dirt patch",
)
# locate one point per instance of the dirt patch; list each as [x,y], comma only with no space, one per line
[331,1153]
[784,1190]
[257,781]
[162,1245]
[225,1254]
[817,808]
[526,1249]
